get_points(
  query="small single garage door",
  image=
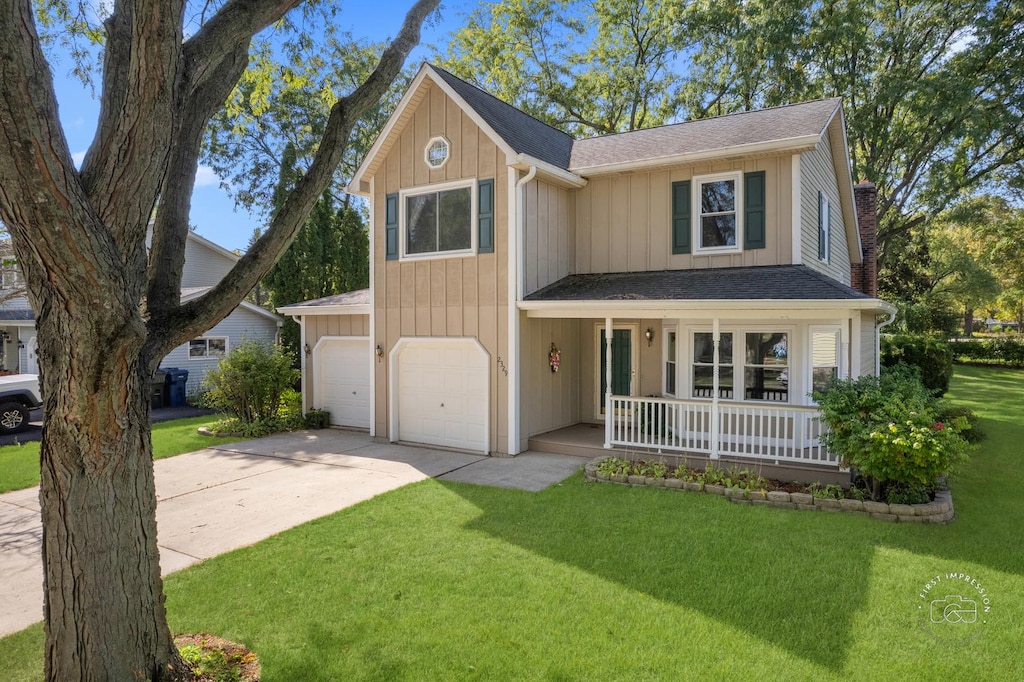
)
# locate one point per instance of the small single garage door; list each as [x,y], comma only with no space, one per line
[342,380]
[443,394]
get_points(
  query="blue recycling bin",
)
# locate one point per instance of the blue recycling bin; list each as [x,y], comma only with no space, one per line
[176,380]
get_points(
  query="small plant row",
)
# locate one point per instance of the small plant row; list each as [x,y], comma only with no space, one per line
[747,486]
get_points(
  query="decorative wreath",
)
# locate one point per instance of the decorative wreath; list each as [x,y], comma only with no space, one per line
[554,358]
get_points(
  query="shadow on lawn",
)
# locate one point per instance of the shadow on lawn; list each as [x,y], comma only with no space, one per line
[793,579]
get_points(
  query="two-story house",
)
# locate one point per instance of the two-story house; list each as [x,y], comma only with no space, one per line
[206,263]
[680,289]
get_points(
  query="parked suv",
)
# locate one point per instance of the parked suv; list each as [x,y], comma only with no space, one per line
[19,393]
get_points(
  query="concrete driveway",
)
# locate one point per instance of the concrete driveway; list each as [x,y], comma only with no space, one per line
[230,496]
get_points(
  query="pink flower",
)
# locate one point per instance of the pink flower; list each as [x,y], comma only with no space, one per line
[938,426]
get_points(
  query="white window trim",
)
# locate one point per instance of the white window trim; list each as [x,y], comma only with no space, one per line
[665,331]
[432,189]
[825,216]
[426,152]
[188,347]
[738,363]
[809,363]
[698,180]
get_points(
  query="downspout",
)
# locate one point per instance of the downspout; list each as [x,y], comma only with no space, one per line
[878,341]
[517,244]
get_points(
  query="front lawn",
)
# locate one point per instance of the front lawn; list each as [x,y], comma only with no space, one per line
[19,464]
[442,581]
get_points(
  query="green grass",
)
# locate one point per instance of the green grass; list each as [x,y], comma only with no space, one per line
[19,464]
[586,581]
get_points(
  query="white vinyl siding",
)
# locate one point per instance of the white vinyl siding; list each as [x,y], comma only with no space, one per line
[239,326]
[867,343]
[817,174]
[203,266]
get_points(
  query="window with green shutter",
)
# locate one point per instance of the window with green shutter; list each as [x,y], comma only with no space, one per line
[753,210]
[485,216]
[681,216]
[391,227]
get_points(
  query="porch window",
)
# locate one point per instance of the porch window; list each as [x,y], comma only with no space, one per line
[766,366]
[824,357]
[439,221]
[206,348]
[670,361]
[717,213]
[704,361]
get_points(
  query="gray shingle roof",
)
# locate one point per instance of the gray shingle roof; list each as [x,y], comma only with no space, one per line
[12,314]
[360,297]
[522,132]
[752,127]
[760,283]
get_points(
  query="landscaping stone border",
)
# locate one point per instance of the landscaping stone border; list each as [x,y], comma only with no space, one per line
[939,510]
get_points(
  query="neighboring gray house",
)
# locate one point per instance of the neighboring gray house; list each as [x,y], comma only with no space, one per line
[206,264]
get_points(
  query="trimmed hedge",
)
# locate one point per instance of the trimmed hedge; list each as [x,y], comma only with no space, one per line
[933,356]
[1005,351]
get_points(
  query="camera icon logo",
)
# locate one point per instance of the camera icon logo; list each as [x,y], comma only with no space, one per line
[954,609]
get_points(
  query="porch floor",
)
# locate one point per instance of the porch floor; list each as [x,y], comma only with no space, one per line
[587,440]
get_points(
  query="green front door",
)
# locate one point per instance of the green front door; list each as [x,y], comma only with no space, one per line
[622,363]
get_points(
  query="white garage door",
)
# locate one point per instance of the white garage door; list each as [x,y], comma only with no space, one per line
[342,380]
[443,394]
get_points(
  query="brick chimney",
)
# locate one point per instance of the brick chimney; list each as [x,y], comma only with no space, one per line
[864,276]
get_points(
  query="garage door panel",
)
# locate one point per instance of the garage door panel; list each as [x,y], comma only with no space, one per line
[442,394]
[342,383]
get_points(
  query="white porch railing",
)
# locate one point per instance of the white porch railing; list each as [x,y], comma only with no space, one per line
[779,433]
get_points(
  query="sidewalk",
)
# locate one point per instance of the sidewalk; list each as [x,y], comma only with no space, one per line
[230,496]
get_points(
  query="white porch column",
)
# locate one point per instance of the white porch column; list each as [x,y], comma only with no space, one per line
[608,382]
[716,338]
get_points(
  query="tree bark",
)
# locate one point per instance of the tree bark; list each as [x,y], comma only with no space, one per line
[79,238]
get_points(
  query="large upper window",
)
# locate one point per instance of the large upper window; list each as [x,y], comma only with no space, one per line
[439,221]
[717,212]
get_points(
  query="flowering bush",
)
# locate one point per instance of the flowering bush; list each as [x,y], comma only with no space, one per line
[888,429]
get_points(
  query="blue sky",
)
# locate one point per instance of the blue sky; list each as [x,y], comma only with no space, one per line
[213,211]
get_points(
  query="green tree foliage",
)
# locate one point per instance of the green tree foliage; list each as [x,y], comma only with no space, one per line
[249,382]
[283,101]
[588,67]
[933,90]
[330,255]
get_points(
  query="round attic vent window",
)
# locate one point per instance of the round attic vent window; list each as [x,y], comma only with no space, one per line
[437,152]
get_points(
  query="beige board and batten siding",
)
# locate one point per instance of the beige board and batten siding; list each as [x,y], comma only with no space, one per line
[459,297]
[551,400]
[818,173]
[623,222]
[549,225]
[318,326]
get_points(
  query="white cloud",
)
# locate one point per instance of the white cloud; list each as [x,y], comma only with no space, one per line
[205,177]
[78,158]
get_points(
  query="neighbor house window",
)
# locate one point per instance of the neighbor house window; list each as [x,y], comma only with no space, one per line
[670,360]
[824,357]
[703,365]
[824,227]
[212,347]
[439,221]
[716,210]
[766,366]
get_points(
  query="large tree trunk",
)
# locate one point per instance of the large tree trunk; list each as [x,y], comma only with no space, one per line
[968,322]
[100,556]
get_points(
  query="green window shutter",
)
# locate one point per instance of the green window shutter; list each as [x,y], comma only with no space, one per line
[485,217]
[391,227]
[753,210]
[822,237]
[681,217]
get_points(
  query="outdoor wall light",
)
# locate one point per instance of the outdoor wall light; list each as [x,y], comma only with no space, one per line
[380,353]
[650,336]
[309,351]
